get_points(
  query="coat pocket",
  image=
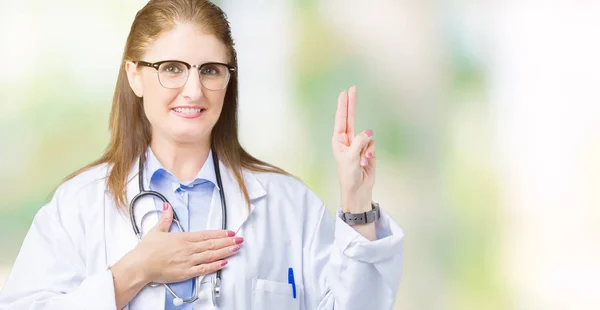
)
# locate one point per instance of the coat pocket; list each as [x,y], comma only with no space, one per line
[272,295]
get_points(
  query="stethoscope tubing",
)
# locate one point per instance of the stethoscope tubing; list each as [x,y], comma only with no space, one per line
[143,193]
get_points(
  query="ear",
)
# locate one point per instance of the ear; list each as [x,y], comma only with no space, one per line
[135,78]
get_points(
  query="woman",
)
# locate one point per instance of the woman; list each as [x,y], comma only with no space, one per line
[174,127]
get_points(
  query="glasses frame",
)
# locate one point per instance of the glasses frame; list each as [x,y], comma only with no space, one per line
[157,64]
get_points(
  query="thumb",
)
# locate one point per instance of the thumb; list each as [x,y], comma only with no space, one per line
[166,218]
[360,142]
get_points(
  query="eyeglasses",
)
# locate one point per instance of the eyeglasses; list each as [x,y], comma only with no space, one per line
[174,73]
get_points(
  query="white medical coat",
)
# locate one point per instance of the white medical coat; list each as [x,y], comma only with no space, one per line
[74,239]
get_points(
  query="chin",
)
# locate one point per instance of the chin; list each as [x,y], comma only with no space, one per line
[190,136]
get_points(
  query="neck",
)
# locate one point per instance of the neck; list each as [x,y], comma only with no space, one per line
[184,160]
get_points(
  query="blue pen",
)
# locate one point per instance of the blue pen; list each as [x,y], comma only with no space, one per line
[291,280]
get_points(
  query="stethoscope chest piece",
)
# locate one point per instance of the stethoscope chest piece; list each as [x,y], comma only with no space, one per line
[216,290]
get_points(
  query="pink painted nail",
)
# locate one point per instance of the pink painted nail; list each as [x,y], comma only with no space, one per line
[369,133]
[230,233]
[234,248]
[363,162]
[239,240]
[223,263]
[165,206]
[369,154]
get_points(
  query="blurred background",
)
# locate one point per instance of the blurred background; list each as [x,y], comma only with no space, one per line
[486,116]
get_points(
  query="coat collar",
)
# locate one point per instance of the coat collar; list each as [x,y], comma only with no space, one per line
[255,189]
[237,208]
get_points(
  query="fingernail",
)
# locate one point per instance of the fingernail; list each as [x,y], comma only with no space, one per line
[234,248]
[369,133]
[223,263]
[165,206]
[363,162]
[239,240]
[369,154]
[230,233]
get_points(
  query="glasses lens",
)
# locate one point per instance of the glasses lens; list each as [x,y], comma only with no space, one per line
[172,74]
[214,76]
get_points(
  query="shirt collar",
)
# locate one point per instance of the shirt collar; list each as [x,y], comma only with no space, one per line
[153,166]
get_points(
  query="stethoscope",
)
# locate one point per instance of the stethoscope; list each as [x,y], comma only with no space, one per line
[216,281]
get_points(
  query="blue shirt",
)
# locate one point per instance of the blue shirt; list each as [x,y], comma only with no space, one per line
[191,201]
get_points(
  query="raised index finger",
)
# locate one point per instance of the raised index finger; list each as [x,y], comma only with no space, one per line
[351,111]
[341,114]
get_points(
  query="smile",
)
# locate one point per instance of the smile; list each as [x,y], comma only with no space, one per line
[188,112]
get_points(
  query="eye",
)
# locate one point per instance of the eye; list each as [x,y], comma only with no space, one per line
[211,70]
[173,68]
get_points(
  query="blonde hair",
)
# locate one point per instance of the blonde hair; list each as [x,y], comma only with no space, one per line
[130,129]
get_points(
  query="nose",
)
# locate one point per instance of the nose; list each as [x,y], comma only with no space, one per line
[192,90]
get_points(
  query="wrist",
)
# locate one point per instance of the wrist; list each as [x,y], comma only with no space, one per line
[128,279]
[131,268]
[356,203]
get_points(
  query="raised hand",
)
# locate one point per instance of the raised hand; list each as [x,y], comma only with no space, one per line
[354,155]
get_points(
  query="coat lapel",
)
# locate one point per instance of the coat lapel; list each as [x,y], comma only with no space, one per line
[120,237]
[237,209]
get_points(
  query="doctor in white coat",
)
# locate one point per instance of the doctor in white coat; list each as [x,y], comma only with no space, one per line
[175,108]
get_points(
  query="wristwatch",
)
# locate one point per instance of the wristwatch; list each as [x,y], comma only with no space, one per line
[362,218]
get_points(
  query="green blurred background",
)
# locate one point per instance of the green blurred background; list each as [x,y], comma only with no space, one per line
[486,119]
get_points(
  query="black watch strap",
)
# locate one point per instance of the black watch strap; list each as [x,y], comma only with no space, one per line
[362,218]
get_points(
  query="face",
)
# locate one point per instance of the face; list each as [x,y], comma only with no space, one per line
[188,113]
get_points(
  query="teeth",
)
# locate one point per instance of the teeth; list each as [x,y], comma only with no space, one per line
[188,110]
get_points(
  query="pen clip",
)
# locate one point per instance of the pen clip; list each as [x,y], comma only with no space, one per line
[292,281]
